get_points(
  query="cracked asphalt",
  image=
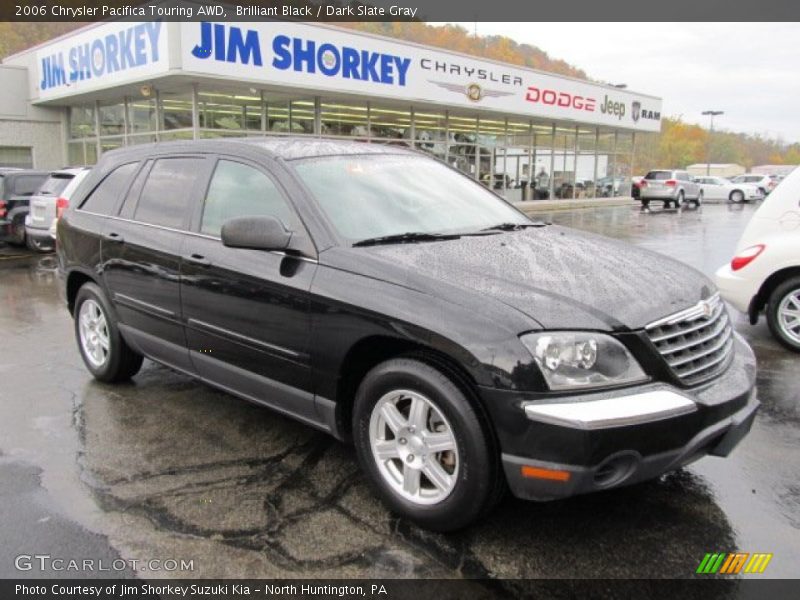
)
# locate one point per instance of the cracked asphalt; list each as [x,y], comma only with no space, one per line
[167,468]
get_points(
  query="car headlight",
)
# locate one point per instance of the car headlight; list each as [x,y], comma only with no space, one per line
[575,359]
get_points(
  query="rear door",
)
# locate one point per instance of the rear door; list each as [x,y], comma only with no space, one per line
[141,251]
[247,311]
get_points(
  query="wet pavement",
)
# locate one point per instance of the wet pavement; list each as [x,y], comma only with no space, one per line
[167,468]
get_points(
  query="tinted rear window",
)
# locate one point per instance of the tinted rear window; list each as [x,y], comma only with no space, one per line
[659,175]
[103,199]
[26,185]
[167,192]
[55,184]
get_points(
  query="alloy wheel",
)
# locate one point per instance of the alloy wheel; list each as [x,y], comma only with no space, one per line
[789,315]
[93,331]
[414,447]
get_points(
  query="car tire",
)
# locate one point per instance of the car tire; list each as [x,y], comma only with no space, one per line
[404,410]
[736,196]
[699,200]
[784,302]
[107,356]
[38,245]
[679,200]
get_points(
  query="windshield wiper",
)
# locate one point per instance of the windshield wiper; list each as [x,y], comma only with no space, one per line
[512,226]
[409,236]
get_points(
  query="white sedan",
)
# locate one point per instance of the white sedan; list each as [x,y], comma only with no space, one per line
[719,188]
[764,276]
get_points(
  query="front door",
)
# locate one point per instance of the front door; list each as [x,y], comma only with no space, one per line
[247,311]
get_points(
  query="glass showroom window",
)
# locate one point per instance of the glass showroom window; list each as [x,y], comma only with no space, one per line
[344,118]
[81,121]
[301,117]
[229,112]
[112,119]
[390,124]
[430,132]
[463,131]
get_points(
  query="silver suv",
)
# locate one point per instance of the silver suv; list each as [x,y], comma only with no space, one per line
[670,187]
[47,204]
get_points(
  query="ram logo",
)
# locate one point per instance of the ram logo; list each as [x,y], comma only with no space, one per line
[636,111]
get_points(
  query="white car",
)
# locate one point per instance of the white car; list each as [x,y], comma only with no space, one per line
[719,188]
[766,183]
[764,276]
[47,204]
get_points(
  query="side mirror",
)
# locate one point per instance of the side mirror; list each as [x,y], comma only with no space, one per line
[257,232]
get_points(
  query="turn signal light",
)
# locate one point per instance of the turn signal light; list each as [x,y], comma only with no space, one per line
[61,205]
[541,473]
[746,256]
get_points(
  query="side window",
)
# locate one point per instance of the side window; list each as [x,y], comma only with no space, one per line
[103,200]
[238,190]
[167,193]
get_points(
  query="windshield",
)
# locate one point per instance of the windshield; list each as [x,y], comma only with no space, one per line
[371,196]
[659,175]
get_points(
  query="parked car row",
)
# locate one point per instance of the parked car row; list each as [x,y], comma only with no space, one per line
[675,187]
[32,201]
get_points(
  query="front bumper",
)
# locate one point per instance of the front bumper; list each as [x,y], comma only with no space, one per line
[550,453]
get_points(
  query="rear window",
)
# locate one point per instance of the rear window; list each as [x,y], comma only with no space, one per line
[659,175]
[166,196]
[55,184]
[26,185]
[103,200]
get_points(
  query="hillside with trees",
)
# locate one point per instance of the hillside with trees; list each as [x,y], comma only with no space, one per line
[679,144]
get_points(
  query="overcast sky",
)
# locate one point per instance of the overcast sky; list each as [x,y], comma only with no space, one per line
[749,70]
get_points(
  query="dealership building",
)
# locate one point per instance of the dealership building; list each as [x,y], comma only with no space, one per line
[119,83]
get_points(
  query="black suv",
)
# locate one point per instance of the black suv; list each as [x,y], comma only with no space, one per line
[383,297]
[16,188]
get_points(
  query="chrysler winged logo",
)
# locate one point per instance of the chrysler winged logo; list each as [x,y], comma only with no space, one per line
[636,110]
[472,91]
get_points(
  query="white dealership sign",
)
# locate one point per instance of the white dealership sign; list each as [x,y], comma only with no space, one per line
[325,59]
[100,57]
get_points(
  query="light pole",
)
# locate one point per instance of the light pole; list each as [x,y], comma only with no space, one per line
[712,114]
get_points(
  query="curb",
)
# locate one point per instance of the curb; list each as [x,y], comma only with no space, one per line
[538,206]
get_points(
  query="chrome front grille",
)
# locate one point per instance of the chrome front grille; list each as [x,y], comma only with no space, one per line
[696,342]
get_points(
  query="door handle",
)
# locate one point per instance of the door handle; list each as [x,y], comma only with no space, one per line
[198,259]
[114,237]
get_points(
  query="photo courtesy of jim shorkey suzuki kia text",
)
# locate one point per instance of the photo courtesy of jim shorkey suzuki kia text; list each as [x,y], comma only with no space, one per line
[156,590]
[344,303]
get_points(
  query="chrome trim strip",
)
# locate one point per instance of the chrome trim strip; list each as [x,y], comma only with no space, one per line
[704,308]
[621,411]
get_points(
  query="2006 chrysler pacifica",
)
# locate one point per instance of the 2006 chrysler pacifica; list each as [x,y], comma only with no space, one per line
[387,299]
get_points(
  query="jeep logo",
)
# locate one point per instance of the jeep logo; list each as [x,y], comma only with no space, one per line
[612,108]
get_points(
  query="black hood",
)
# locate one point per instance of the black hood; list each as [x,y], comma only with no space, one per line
[561,278]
